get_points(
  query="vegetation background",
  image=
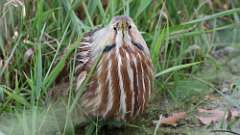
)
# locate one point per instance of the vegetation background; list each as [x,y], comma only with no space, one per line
[195,48]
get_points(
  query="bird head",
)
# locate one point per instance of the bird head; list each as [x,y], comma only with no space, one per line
[122,23]
[120,31]
[125,30]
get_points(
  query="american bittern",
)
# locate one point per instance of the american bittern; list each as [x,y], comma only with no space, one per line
[121,86]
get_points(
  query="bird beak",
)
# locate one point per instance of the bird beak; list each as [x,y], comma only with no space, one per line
[122,25]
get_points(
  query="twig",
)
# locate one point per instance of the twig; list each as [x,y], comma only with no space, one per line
[157,125]
[223,130]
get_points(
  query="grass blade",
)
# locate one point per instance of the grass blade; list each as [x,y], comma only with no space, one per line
[175,68]
[58,68]
[224,13]
[143,5]
[17,98]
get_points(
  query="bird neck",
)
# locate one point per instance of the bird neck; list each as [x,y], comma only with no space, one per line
[122,38]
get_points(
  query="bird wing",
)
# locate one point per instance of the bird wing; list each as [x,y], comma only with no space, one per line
[83,56]
[83,65]
[91,46]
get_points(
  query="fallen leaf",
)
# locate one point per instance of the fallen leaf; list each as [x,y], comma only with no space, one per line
[211,97]
[215,115]
[234,113]
[28,54]
[171,120]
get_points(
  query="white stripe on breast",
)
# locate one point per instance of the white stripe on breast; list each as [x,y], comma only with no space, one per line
[150,88]
[137,96]
[143,83]
[130,76]
[110,89]
[122,108]
[98,98]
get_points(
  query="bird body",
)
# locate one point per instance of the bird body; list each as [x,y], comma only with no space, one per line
[121,87]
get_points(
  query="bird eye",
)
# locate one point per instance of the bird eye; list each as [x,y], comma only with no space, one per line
[115,28]
[129,26]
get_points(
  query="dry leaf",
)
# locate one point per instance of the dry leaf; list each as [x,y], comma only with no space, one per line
[28,54]
[172,120]
[211,97]
[234,113]
[215,115]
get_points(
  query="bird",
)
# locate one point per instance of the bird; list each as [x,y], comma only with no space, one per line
[121,86]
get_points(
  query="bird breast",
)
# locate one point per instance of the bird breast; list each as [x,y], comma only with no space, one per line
[121,86]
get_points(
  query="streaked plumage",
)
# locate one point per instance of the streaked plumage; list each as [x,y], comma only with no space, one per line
[121,86]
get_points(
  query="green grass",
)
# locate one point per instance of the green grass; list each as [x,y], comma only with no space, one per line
[180,35]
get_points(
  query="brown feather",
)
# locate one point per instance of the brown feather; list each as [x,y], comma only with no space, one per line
[121,86]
